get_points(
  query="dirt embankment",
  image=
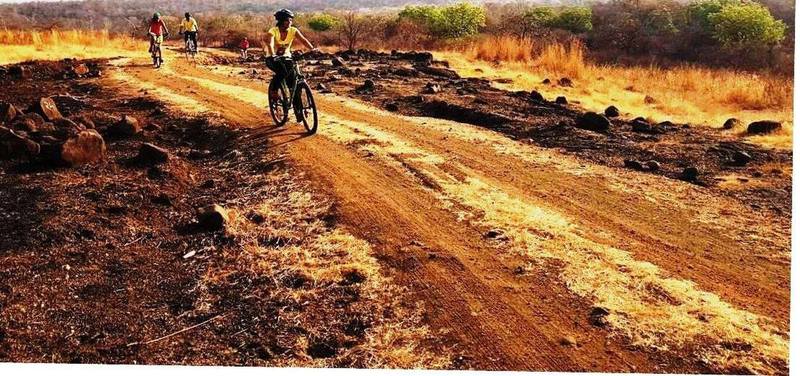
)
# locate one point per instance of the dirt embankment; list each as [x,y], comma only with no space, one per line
[106,260]
[413,83]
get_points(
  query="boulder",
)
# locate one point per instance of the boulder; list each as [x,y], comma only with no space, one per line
[87,146]
[7,112]
[546,81]
[649,100]
[636,165]
[641,126]
[152,154]
[337,61]
[565,81]
[593,122]
[561,100]
[20,71]
[14,145]
[612,112]
[763,127]
[213,217]
[322,88]
[431,88]
[47,108]
[741,158]
[731,123]
[436,71]
[690,174]
[392,106]
[81,69]
[536,96]
[653,165]
[128,126]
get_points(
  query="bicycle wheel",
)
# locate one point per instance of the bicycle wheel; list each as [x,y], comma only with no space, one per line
[278,107]
[309,111]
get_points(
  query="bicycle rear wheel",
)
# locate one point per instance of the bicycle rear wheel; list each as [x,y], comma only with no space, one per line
[309,110]
[278,107]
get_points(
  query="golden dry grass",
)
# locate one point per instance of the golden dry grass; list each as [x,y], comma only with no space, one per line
[684,94]
[24,45]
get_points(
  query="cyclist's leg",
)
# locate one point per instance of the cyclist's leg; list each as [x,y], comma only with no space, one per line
[193,37]
[291,80]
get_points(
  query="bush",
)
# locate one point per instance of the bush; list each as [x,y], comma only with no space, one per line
[322,22]
[455,21]
[538,18]
[574,19]
[746,25]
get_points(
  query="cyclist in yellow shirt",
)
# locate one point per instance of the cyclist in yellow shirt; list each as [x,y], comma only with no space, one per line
[189,29]
[281,38]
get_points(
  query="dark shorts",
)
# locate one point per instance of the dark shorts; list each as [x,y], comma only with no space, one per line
[190,35]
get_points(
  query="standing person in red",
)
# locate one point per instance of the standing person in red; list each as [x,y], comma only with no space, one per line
[157,31]
[243,46]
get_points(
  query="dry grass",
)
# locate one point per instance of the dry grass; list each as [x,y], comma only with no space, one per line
[24,45]
[685,94]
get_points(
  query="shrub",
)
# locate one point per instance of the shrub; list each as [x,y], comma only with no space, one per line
[454,21]
[746,25]
[322,22]
[574,19]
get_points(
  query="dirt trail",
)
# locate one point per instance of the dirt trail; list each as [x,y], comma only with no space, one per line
[529,259]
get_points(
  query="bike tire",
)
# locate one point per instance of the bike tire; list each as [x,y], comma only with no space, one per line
[278,108]
[310,116]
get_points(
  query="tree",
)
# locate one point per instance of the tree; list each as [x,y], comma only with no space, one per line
[455,21]
[537,19]
[355,27]
[746,25]
[574,19]
[322,22]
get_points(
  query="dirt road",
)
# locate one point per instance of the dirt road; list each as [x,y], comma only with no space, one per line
[527,259]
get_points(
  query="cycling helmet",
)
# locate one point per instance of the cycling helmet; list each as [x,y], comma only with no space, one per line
[156,15]
[187,15]
[283,14]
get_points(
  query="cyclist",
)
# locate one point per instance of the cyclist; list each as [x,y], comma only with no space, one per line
[189,29]
[280,44]
[157,31]
[244,45]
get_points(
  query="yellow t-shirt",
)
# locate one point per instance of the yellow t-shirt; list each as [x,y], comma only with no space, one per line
[189,25]
[283,46]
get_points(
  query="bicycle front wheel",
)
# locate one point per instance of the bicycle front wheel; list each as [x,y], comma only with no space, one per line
[309,110]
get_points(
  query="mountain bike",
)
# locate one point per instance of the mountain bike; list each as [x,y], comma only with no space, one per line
[190,48]
[289,98]
[155,50]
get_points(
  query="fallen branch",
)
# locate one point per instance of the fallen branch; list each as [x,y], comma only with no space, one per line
[176,333]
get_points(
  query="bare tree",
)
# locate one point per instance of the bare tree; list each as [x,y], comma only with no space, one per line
[354,28]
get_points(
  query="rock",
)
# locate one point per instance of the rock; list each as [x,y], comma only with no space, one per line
[81,69]
[368,85]
[213,217]
[641,126]
[84,120]
[593,122]
[87,146]
[741,158]
[14,145]
[536,96]
[20,71]
[568,341]
[152,154]
[649,100]
[763,127]
[562,101]
[47,108]
[128,126]
[322,88]
[256,217]
[636,165]
[431,88]
[690,174]
[565,81]
[493,234]
[731,123]
[436,71]
[7,112]
[392,106]
[612,112]
[337,61]
[598,316]
[546,81]
[653,165]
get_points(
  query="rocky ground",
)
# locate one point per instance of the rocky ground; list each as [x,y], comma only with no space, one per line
[132,234]
[413,83]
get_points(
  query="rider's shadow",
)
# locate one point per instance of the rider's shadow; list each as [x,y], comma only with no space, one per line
[271,132]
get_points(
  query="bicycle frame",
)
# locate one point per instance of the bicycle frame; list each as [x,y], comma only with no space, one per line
[299,79]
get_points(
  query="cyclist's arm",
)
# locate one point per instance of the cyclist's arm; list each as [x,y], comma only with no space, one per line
[271,45]
[304,40]
[164,24]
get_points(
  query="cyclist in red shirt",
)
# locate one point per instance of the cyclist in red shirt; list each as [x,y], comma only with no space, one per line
[244,45]
[157,31]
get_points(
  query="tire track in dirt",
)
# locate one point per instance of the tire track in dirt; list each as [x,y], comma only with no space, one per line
[382,199]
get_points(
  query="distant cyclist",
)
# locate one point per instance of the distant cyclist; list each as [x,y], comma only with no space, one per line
[157,31]
[189,29]
[280,44]
[244,45]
